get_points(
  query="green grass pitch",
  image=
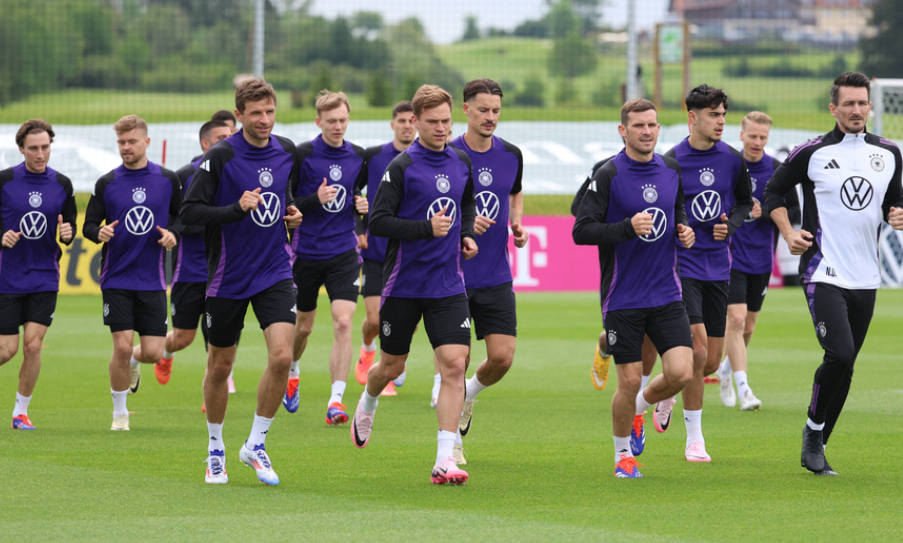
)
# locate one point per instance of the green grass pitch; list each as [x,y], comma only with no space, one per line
[539,454]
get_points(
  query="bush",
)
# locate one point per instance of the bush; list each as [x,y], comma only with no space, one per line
[532,93]
[173,76]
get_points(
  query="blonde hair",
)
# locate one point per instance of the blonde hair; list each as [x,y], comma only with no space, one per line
[428,97]
[755,117]
[129,123]
[328,100]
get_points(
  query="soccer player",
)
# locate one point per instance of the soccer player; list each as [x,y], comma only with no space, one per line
[498,167]
[373,250]
[139,204]
[332,177]
[634,211]
[716,185]
[425,207]
[35,202]
[189,279]
[242,192]
[227,117]
[752,258]
[851,181]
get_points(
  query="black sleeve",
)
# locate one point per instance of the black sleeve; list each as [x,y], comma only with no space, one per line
[360,221]
[96,212]
[575,205]
[743,202]
[292,185]
[793,171]
[518,178]
[305,203]
[70,212]
[680,210]
[894,195]
[468,205]
[173,224]
[185,174]
[384,221]
[590,227]
[198,207]
[5,177]
[794,213]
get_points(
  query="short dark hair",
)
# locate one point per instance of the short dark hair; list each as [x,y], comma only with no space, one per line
[33,125]
[253,89]
[637,105]
[705,96]
[850,79]
[402,107]
[482,84]
[208,127]
[224,115]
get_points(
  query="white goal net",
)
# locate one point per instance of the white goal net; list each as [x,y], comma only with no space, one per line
[887,109]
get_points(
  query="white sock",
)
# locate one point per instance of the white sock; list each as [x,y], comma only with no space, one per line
[645,381]
[167,355]
[437,382]
[369,403]
[693,420]
[446,445]
[472,388]
[371,347]
[622,448]
[294,371]
[134,362]
[742,383]
[399,381]
[812,425]
[641,404]
[259,431]
[21,407]
[119,403]
[725,367]
[338,391]
[215,439]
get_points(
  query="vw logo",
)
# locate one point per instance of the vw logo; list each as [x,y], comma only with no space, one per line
[338,203]
[33,225]
[659,224]
[139,220]
[706,206]
[437,206]
[487,204]
[856,193]
[269,211]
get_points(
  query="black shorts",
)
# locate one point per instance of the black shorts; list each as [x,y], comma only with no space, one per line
[706,303]
[143,311]
[17,309]
[666,325]
[226,317]
[341,274]
[371,278]
[493,310]
[749,289]
[187,304]
[447,322]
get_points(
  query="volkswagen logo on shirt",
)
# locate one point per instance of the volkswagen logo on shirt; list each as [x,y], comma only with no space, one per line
[856,193]
[659,224]
[33,225]
[35,200]
[338,203]
[268,211]
[437,206]
[139,196]
[706,206]
[487,204]
[139,220]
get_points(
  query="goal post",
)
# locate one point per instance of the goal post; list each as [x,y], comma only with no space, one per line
[887,108]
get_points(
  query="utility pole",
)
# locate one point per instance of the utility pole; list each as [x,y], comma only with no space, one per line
[632,90]
[258,37]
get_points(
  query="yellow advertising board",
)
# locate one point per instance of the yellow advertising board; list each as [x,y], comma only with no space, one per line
[80,264]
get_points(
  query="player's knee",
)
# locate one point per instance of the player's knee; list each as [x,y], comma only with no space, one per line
[303,329]
[32,349]
[182,339]
[8,350]
[736,320]
[630,384]
[501,362]
[342,325]
[699,354]
[454,373]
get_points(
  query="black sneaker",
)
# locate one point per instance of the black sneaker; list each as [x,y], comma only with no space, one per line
[813,457]
[827,470]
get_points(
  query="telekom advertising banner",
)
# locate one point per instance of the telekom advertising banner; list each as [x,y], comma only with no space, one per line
[550,261]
